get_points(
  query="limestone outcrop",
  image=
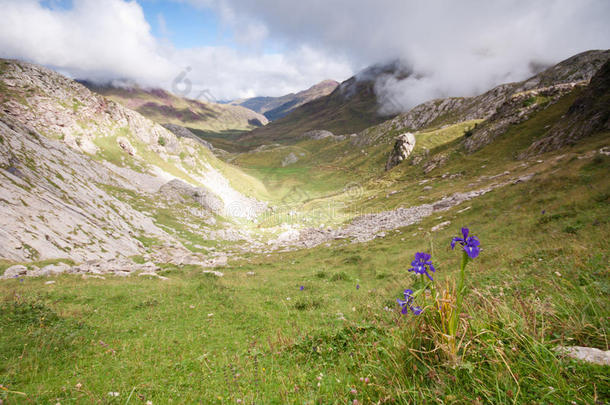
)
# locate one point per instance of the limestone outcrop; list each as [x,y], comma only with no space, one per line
[404,145]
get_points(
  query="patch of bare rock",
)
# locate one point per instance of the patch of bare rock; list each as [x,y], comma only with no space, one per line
[404,145]
[367,227]
[117,267]
[588,354]
[323,134]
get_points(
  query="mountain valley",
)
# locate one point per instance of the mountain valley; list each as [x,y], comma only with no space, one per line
[170,249]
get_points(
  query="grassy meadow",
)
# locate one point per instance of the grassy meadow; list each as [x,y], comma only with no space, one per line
[255,337]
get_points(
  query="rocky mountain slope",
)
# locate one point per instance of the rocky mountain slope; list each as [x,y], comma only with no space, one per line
[351,107]
[501,106]
[54,204]
[589,114]
[125,181]
[73,164]
[537,93]
[277,107]
[167,108]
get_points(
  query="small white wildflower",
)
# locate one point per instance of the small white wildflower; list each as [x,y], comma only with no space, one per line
[113,394]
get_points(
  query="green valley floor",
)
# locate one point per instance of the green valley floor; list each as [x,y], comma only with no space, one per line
[322,326]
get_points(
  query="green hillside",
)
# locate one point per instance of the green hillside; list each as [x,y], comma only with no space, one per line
[277,107]
[350,108]
[166,108]
[298,302]
[255,336]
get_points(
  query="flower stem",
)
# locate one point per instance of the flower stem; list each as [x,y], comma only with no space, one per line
[460,293]
[465,260]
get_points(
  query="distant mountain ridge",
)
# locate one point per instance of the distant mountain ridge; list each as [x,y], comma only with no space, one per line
[353,107]
[350,108]
[277,107]
[164,107]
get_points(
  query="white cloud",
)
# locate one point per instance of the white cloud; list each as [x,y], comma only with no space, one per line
[103,40]
[95,39]
[454,47]
[227,73]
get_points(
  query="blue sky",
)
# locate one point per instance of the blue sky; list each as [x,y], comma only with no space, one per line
[189,26]
[184,25]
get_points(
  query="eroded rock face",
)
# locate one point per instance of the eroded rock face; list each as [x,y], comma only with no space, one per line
[402,149]
[57,208]
[516,109]
[56,107]
[574,69]
[539,92]
[589,114]
[447,111]
[179,190]
[183,132]
[62,108]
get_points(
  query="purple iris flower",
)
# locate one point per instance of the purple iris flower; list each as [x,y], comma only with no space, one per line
[470,243]
[422,264]
[407,303]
